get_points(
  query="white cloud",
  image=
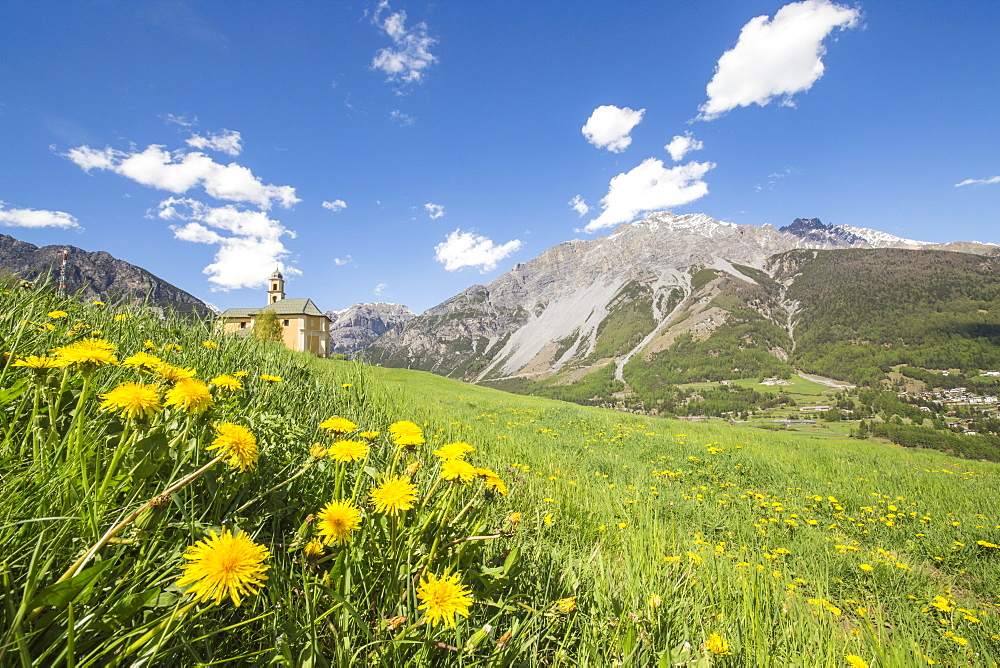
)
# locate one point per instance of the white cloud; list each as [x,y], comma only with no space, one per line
[467,249]
[178,172]
[681,145]
[343,261]
[36,218]
[403,119]
[775,58]
[335,205]
[434,211]
[181,120]
[87,158]
[249,245]
[380,289]
[650,187]
[227,141]
[978,182]
[772,179]
[609,127]
[578,205]
[410,54]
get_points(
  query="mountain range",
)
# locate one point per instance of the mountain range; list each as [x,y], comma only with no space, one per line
[680,298]
[356,327]
[95,276]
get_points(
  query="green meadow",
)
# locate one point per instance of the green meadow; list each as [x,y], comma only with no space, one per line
[210,519]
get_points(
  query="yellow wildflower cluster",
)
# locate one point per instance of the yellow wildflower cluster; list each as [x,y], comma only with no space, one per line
[358,514]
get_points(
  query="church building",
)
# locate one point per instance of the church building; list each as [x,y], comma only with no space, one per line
[303,326]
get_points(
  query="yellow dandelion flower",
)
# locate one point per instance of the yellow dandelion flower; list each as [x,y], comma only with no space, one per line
[492,481]
[655,600]
[317,451]
[143,360]
[369,435]
[855,661]
[457,469]
[826,605]
[236,444]
[337,520]
[443,598]
[348,451]
[226,382]
[943,604]
[337,425]
[565,605]
[172,346]
[717,645]
[548,520]
[984,543]
[225,565]
[39,363]
[456,450]
[240,374]
[132,400]
[314,548]
[87,354]
[393,495]
[514,518]
[121,317]
[190,395]
[406,434]
[173,373]
[55,315]
[97,303]
[413,467]
[211,345]
[270,379]
[149,345]
[866,567]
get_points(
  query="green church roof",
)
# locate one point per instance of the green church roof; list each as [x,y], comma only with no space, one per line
[281,307]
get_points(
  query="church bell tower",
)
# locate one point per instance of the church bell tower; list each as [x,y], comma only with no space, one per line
[276,291]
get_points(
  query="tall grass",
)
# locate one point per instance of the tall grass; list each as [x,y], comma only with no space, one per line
[637,541]
[754,535]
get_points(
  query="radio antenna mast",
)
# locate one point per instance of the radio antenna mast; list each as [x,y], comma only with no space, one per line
[62,273]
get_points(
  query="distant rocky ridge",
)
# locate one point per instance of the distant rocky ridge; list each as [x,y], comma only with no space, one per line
[812,230]
[583,304]
[96,276]
[354,328]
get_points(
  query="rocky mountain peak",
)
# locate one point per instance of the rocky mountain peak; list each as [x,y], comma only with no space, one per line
[813,230]
[95,275]
[561,309]
[665,222]
[354,328]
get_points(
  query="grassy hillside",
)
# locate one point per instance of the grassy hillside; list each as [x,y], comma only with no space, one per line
[638,541]
[864,311]
[741,345]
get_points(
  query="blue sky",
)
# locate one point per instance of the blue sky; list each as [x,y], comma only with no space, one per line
[403,151]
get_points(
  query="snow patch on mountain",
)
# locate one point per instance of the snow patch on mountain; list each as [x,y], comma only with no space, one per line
[881,239]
